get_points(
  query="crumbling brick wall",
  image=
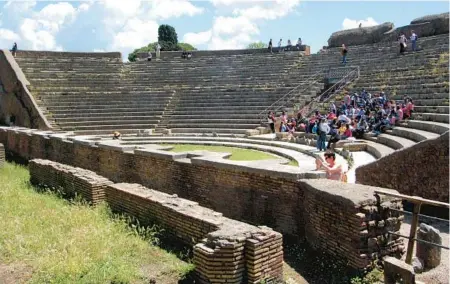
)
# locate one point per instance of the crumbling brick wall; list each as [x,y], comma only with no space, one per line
[420,170]
[225,250]
[318,210]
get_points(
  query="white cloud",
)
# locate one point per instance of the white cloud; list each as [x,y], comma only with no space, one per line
[197,38]
[268,10]
[136,33]
[36,37]
[53,16]
[122,8]
[164,9]
[231,26]
[353,24]
[238,41]
[229,2]
[8,35]
[83,7]
[99,50]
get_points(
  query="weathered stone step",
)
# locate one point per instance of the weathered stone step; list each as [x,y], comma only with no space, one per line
[394,142]
[110,127]
[432,109]
[412,134]
[212,125]
[101,123]
[429,126]
[437,117]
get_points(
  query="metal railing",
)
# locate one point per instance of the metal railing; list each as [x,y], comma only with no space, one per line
[349,77]
[289,96]
[417,203]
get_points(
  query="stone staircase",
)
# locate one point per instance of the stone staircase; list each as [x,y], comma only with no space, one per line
[95,93]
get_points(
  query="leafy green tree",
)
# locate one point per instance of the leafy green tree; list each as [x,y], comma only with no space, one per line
[167,33]
[256,45]
[168,40]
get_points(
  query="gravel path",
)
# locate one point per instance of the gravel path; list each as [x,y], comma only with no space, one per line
[440,274]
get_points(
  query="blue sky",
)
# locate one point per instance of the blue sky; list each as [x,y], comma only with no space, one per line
[119,25]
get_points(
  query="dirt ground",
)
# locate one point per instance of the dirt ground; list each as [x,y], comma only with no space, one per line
[14,273]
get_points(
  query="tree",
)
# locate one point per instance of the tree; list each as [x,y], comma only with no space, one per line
[256,45]
[164,47]
[167,33]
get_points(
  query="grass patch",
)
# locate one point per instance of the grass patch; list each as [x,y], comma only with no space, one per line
[70,242]
[237,154]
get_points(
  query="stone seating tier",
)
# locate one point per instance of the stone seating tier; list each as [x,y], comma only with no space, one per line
[69,86]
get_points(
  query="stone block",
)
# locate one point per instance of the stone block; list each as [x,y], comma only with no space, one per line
[167,132]
[263,130]
[429,254]
[251,132]
[395,269]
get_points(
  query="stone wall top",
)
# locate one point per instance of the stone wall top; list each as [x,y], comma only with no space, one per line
[351,195]
[32,53]
[206,53]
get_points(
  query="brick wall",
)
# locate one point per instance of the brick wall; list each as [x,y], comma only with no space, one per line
[225,250]
[324,212]
[2,155]
[346,220]
[420,170]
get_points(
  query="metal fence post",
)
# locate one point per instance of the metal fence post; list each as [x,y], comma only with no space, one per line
[412,232]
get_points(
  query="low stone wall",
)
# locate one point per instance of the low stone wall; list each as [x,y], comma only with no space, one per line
[2,155]
[348,221]
[207,53]
[249,192]
[15,99]
[73,181]
[225,250]
[420,170]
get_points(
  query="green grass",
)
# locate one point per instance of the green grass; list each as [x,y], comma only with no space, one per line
[237,154]
[69,242]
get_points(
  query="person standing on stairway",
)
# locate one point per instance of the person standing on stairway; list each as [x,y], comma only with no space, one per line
[270,46]
[158,51]
[279,45]
[14,50]
[413,40]
[344,54]
[402,41]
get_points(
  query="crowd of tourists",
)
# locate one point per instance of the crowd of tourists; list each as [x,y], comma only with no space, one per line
[355,115]
[288,47]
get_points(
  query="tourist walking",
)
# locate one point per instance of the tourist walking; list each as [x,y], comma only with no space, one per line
[344,54]
[158,51]
[413,40]
[322,132]
[402,42]
[279,45]
[271,121]
[270,46]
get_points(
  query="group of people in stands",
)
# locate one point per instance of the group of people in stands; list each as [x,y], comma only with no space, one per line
[357,114]
[288,47]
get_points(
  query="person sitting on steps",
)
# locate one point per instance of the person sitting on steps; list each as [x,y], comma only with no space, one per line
[289,45]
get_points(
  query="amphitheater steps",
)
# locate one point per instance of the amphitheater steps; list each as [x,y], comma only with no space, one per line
[391,141]
[428,126]
[412,134]
[111,127]
[436,117]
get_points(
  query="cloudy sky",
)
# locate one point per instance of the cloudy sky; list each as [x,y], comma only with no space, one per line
[123,25]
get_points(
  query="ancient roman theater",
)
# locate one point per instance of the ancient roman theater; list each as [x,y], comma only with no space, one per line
[184,123]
